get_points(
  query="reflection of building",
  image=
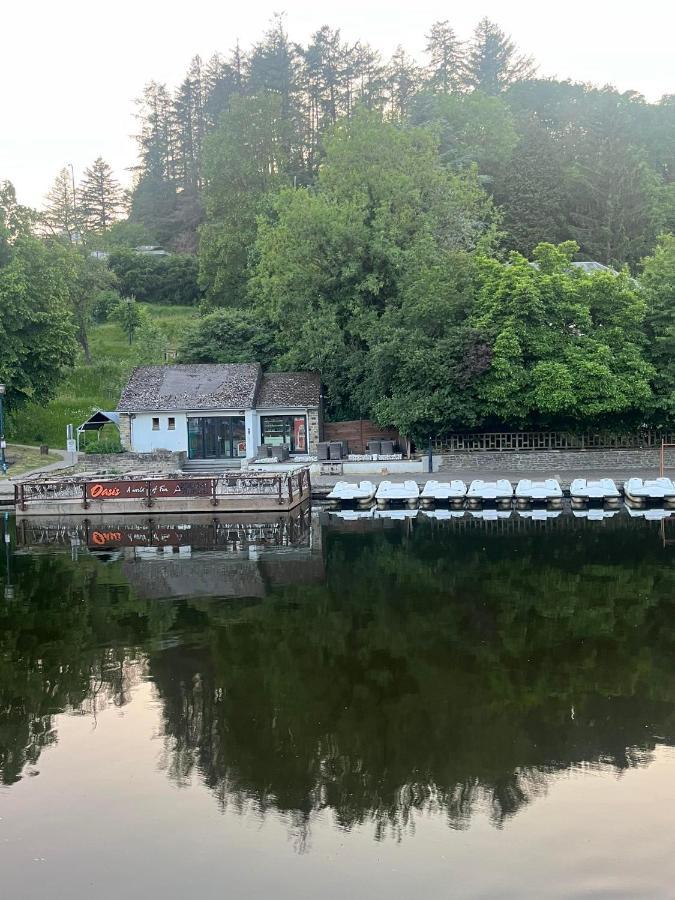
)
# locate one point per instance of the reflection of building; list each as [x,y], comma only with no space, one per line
[220,412]
[199,556]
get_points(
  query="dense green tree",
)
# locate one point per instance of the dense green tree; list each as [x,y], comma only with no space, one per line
[130,316]
[230,336]
[88,278]
[565,345]
[658,283]
[333,259]
[170,279]
[37,335]
[445,73]
[100,197]
[246,161]
[493,61]
[61,216]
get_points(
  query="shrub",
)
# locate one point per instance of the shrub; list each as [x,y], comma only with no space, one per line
[109,445]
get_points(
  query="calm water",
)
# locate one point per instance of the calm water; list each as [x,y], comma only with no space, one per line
[313,708]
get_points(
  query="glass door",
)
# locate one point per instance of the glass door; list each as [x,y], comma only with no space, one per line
[216,437]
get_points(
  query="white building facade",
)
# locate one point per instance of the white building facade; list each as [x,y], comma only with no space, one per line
[220,412]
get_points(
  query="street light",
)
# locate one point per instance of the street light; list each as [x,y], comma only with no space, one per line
[3,443]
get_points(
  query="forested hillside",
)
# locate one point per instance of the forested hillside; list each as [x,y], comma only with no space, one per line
[410,228]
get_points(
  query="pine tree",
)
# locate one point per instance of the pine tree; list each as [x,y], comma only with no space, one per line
[403,82]
[100,198]
[494,61]
[446,72]
[61,216]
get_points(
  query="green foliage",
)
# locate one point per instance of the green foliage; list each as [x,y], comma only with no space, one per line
[230,336]
[334,259]
[104,445]
[130,316]
[37,336]
[246,160]
[566,345]
[170,279]
[658,284]
[103,303]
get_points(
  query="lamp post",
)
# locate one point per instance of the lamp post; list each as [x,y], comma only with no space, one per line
[3,443]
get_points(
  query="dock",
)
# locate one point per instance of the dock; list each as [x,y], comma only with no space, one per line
[133,494]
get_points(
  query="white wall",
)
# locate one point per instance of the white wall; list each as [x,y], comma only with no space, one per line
[145,440]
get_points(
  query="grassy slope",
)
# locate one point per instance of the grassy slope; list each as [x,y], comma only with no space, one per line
[86,388]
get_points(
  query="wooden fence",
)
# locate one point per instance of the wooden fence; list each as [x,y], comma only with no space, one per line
[551,440]
[358,432]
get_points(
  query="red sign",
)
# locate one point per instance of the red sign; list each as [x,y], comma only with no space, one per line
[130,490]
[144,536]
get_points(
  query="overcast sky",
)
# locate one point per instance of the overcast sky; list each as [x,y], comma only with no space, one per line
[69,72]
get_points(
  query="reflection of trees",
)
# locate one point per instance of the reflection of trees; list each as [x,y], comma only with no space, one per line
[432,671]
[64,645]
[436,675]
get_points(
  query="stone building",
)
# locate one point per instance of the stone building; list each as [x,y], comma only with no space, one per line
[220,412]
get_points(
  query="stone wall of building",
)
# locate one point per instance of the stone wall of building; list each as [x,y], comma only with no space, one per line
[125,431]
[314,431]
[161,462]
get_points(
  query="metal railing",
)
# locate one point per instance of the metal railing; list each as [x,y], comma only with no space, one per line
[286,487]
[504,441]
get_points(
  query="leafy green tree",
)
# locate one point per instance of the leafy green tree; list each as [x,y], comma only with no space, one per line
[494,61]
[333,259]
[101,200]
[566,346]
[658,284]
[130,316]
[37,335]
[472,128]
[246,161]
[230,336]
[88,277]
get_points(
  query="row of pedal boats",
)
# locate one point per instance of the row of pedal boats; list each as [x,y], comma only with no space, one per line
[584,492]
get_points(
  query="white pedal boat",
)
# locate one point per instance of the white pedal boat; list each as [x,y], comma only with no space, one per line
[650,513]
[546,491]
[352,515]
[398,514]
[499,492]
[639,491]
[600,490]
[442,514]
[396,492]
[490,514]
[362,494]
[452,492]
[594,513]
[539,514]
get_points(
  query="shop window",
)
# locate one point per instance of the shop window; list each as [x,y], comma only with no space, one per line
[288,430]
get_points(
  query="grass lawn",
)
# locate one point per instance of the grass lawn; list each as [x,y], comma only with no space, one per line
[23,459]
[84,388]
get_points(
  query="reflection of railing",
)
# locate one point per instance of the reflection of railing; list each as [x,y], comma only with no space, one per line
[287,487]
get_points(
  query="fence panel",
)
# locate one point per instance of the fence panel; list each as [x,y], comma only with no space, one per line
[504,441]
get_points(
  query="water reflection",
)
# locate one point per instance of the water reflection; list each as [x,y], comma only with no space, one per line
[373,668]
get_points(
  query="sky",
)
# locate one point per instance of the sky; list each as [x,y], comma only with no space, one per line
[69,72]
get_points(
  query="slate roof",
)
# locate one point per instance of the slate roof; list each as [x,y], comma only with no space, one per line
[289,389]
[223,386]
[219,386]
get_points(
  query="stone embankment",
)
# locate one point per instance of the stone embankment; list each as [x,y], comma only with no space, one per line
[550,461]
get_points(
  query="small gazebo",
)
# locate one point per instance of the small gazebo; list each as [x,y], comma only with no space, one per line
[96,422]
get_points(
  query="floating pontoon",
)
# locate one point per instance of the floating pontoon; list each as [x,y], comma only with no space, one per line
[602,490]
[452,492]
[640,491]
[361,494]
[499,492]
[547,491]
[394,492]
